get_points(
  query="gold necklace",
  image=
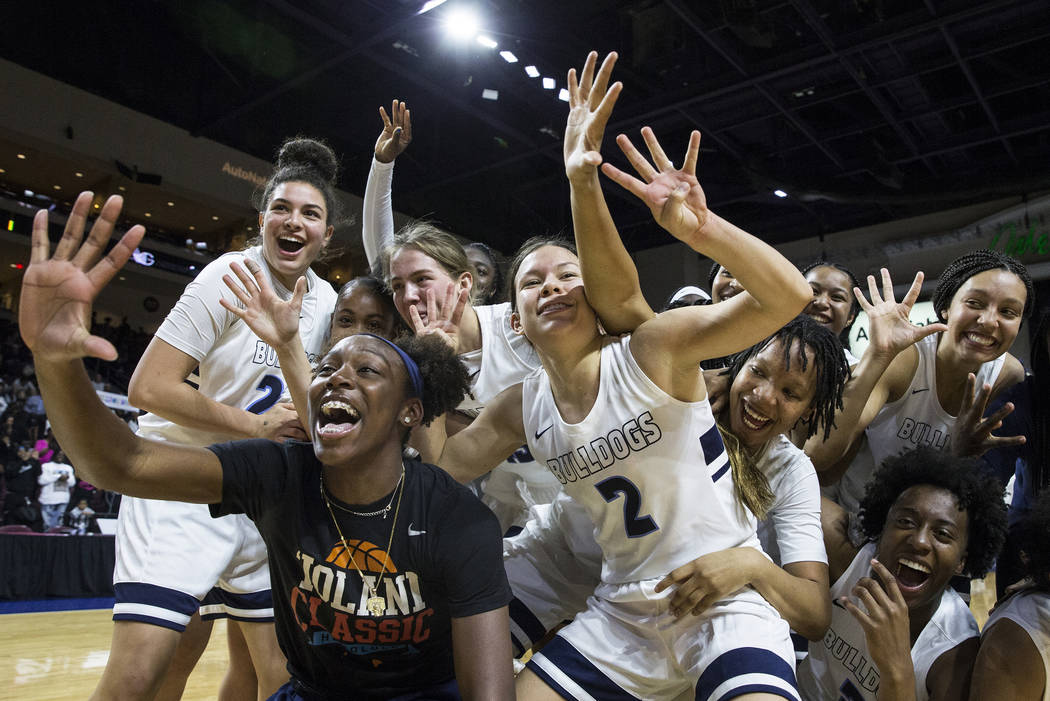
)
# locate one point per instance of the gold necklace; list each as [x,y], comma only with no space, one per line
[376,604]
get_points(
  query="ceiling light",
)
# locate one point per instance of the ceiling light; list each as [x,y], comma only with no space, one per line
[192,228]
[780,193]
[171,204]
[122,278]
[563,95]
[508,56]
[78,174]
[487,42]
[461,23]
[97,205]
[548,83]
[122,188]
[148,214]
[20,156]
[430,5]
[2,171]
[488,94]
[532,71]
[58,187]
[214,218]
[29,193]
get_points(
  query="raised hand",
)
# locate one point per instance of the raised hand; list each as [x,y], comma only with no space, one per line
[271,318]
[54,314]
[971,435]
[396,134]
[444,322]
[673,195]
[590,105]
[891,329]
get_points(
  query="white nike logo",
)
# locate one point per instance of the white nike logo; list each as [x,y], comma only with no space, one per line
[413,531]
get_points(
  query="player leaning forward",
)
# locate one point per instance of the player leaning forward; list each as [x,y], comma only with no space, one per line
[347,633]
[625,423]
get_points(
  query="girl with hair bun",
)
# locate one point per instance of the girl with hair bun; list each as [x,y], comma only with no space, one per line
[207,378]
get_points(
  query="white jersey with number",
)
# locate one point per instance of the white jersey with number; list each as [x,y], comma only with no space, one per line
[236,367]
[840,666]
[791,531]
[1031,611]
[916,419]
[651,471]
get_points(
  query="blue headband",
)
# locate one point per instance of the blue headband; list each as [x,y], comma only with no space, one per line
[414,375]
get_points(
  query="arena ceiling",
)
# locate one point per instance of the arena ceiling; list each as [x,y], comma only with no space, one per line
[861,111]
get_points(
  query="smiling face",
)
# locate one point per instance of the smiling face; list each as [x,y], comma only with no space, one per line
[985,315]
[767,399]
[923,543]
[485,274]
[295,230]
[724,286]
[549,297]
[832,304]
[361,310]
[359,401]
[412,273]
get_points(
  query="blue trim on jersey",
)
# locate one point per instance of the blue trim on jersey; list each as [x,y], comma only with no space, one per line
[741,661]
[755,689]
[153,595]
[529,624]
[711,444]
[574,665]
[800,643]
[152,620]
[724,469]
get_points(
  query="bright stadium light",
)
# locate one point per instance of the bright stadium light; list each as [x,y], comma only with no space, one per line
[487,42]
[461,23]
[563,95]
[430,5]
[548,83]
[532,71]
[508,56]
[780,193]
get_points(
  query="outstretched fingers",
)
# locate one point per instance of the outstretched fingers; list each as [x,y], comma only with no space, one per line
[914,290]
[103,271]
[692,154]
[71,235]
[636,159]
[41,246]
[628,182]
[601,80]
[660,159]
[587,77]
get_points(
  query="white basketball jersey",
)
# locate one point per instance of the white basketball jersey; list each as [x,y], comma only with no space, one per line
[791,531]
[236,367]
[651,471]
[840,666]
[1031,611]
[915,419]
[504,359]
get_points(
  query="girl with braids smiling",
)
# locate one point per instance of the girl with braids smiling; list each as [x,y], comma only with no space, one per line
[911,383]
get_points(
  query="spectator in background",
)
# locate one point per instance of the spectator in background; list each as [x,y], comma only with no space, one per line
[81,517]
[21,472]
[56,481]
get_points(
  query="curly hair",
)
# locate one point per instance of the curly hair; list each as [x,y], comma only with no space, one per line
[825,350]
[1033,539]
[969,264]
[497,272]
[527,248]
[853,281]
[976,490]
[445,379]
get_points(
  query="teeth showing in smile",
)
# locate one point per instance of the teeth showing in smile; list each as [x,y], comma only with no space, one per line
[290,244]
[337,416]
[914,565]
[753,420]
[980,339]
[554,307]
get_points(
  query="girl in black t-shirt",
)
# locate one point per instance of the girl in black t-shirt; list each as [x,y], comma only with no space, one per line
[337,629]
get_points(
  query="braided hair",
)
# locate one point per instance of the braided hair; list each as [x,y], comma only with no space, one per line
[829,360]
[969,264]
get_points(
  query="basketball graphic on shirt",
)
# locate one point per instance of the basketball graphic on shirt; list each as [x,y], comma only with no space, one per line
[368,557]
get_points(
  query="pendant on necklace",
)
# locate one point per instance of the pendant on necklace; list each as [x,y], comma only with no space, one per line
[376,605]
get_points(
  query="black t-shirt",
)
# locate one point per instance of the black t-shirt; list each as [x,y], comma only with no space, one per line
[22,476]
[446,562]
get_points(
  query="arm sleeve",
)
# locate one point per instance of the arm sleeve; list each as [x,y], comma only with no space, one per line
[377,217]
[197,320]
[470,555]
[796,516]
[254,473]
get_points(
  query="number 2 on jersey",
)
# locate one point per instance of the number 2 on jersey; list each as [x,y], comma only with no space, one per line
[273,387]
[635,526]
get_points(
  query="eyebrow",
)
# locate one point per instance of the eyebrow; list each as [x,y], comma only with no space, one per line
[532,270]
[305,204]
[1008,300]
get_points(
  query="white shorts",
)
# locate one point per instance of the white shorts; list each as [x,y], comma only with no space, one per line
[627,645]
[174,558]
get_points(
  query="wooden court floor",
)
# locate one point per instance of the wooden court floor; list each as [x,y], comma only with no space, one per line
[60,655]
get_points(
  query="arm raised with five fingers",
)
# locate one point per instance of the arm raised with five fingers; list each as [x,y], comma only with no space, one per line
[54,320]
[377,215]
[883,373]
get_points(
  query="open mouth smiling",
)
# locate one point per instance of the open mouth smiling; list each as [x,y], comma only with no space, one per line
[912,575]
[290,244]
[336,418]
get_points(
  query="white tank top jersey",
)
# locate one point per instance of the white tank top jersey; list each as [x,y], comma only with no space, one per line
[236,367]
[791,530]
[504,359]
[840,666]
[1031,611]
[651,471]
[915,419]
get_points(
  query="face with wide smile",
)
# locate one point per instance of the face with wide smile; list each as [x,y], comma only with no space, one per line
[360,310]
[985,315]
[766,398]
[412,273]
[295,230]
[923,543]
[724,286]
[832,305]
[549,293]
[358,401]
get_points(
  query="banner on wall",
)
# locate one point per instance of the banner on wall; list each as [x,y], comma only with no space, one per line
[859,335]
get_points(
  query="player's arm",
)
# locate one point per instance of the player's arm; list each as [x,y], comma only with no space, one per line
[377,215]
[950,675]
[1008,666]
[482,655]
[490,439]
[834,522]
[54,320]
